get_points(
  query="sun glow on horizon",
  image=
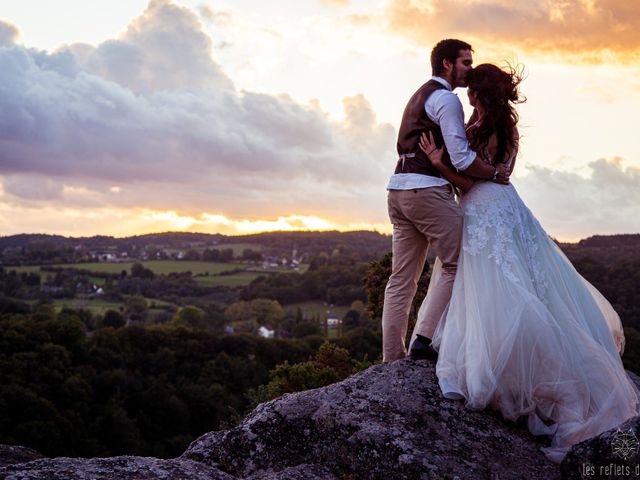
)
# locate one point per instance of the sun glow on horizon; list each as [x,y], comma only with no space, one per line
[218,223]
[129,222]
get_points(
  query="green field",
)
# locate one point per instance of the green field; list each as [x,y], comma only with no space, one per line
[98,306]
[27,269]
[238,248]
[239,279]
[164,267]
[94,306]
[99,281]
[157,266]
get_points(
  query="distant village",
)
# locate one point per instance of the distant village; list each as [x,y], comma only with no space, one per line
[120,251]
[266,262]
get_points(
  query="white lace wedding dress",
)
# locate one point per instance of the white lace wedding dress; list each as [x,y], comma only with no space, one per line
[525,333]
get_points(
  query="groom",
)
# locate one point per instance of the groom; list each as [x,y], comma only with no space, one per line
[421,203]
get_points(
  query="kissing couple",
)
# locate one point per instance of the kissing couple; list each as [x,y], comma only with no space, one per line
[510,322]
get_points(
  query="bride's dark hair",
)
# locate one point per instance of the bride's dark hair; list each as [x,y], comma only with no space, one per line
[497,92]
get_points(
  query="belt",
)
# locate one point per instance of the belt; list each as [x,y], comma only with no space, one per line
[404,156]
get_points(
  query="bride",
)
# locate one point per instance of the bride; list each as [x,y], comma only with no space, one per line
[524,333]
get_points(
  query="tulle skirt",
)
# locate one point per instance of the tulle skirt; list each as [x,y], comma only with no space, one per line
[525,334]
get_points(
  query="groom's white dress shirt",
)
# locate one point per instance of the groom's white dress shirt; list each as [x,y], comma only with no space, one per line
[444,108]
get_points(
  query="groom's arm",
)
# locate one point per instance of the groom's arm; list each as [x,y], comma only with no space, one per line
[459,180]
[480,169]
[446,110]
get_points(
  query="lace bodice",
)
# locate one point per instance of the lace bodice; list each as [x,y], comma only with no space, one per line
[500,226]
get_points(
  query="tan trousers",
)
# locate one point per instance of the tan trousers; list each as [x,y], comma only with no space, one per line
[421,218]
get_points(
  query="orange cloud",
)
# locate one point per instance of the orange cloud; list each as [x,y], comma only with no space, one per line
[590,30]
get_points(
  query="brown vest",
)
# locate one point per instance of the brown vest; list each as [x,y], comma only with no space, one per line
[414,122]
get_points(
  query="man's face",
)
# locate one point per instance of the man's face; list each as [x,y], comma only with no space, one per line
[460,69]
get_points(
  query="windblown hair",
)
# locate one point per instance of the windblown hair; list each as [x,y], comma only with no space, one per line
[448,49]
[497,92]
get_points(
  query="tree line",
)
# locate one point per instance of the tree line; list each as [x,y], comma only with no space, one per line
[133,390]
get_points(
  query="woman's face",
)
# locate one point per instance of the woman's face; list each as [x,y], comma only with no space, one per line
[473,96]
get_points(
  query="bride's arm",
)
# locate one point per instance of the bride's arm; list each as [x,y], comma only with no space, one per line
[428,146]
[514,155]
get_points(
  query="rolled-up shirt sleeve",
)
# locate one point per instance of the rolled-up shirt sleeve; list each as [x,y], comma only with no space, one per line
[445,108]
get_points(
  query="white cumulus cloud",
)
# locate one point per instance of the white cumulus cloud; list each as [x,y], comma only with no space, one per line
[152,112]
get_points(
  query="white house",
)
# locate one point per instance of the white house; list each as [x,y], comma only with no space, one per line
[266,332]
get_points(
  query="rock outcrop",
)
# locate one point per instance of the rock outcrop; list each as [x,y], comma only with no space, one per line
[385,423]
[388,422]
[611,455]
[14,455]
[113,468]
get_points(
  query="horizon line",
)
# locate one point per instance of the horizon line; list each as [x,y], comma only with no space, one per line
[266,232]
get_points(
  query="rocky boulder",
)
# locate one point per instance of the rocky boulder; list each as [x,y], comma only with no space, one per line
[388,422]
[612,455]
[124,467]
[13,455]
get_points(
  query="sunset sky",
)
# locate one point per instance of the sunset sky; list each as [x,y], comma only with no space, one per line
[124,117]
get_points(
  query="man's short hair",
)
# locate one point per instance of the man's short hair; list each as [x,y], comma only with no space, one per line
[448,49]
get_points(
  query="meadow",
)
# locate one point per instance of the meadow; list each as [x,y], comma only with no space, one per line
[317,308]
[97,306]
[210,274]
[159,267]
[239,248]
